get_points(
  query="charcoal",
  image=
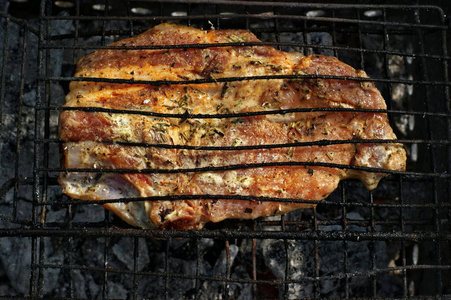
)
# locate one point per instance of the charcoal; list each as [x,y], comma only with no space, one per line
[56,215]
[88,213]
[51,275]
[13,136]
[155,288]
[93,252]
[84,285]
[320,38]
[116,291]
[80,284]
[312,38]
[16,260]
[124,251]
[212,289]
[14,53]
[301,263]
[60,27]
[240,290]
[275,256]
[181,288]
[5,289]
[4,5]
[93,288]
[29,98]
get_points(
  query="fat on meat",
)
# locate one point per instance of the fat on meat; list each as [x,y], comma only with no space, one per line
[129,137]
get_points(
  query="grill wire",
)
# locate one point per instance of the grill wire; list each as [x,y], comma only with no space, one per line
[351,245]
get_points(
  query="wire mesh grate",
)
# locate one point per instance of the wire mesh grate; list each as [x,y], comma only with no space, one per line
[393,242]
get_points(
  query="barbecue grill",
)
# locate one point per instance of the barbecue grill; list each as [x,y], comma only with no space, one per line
[393,242]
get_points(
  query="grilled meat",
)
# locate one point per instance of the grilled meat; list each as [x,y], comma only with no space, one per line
[128,136]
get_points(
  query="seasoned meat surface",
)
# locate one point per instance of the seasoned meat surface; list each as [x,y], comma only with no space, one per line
[128,136]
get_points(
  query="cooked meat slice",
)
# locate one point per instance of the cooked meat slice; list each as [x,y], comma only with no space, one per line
[130,137]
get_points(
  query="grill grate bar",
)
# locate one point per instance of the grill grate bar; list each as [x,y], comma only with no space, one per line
[198,267]
[40,212]
[359,30]
[403,246]
[343,30]
[130,19]
[104,23]
[227,269]
[250,114]
[252,281]
[385,57]
[69,257]
[430,129]
[231,79]
[250,16]
[345,224]
[230,233]
[372,246]
[65,298]
[41,258]
[316,257]
[447,214]
[298,225]
[310,5]
[389,106]
[19,135]
[35,274]
[22,23]
[33,271]
[287,258]
[266,146]
[3,71]
[135,267]
[76,37]
[254,198]
[246,166]
[254,263]
[19,123]
[105,273]
[46,131]
[166,268]
[336,220]
[361,51]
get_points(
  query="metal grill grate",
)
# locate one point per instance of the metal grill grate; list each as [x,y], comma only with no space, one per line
[392,242]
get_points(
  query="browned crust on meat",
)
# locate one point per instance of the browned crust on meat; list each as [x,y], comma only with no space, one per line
[90,136]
